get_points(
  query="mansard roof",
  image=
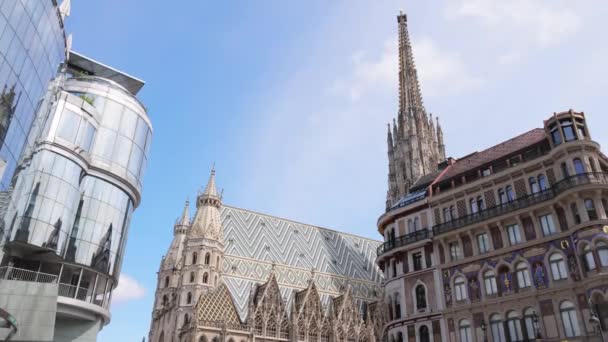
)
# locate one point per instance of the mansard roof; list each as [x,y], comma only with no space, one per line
[478,159]
[217,305]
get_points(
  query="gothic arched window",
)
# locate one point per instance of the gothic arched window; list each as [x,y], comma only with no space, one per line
[192,277]
[284,328]
[194,257]
[205,278]
[207,258]
[167,281]
[189,298]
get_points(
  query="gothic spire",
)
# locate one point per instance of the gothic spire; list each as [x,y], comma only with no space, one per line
[440,143]
[207,222]
[389,139]
[410,97]
[183,222]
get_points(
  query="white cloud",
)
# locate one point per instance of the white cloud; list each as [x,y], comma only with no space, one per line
[441,72]
[547,23]
[128,289]
[510,58]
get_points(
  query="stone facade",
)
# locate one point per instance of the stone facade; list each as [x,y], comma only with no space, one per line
[506,244]
[232,274]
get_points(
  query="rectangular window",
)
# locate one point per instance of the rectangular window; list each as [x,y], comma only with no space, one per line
[68,126]
[546,222]
[556,136]
[514,234]
[483,243]
[417,259]
[454,251]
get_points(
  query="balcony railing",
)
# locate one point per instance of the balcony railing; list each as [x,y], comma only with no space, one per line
[404,240]
[568,183]
[12,273]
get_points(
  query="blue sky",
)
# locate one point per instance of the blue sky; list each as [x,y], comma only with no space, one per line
[291,100]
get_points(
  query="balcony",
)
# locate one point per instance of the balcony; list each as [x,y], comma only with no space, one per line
[12,273]
[403,241]
[598,178]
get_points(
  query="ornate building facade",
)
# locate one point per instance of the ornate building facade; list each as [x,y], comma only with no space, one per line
[234,275]
[506,244]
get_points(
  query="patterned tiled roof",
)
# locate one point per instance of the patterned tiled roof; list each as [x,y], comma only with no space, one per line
[254,242]
[217,305]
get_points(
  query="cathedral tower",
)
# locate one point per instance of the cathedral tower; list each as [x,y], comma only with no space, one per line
[192,266]
[415,147]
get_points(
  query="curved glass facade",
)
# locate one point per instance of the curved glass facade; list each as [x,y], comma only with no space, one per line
[32,46]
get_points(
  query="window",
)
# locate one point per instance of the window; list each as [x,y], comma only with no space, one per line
[602,253]
[565,171]
[514,326]
[556,136]
[424,334]
[453,214]
[575,214]
[579,168]
[514,234]
[523,275]
[483,243]
[510,193]
[394,264]
[486,172]
[502,196]
[496,327]
[194,257]
[464,328]
[460,289]
[416,224]
[474,207]
[166,281]
[529,317]
[489,279]
[207,259]
[410,226]
[68,126]
[192,277]
[397,306]
[589,258]
[605,205]
[205,278]
[480,204]
[542,182]
[546,223]
[165,300]
[454,251]
[569,319]
[420,297]
[590,207]
[417,259]
[446,215]
[189,298]
[533,185]
[558,267]
[569,134]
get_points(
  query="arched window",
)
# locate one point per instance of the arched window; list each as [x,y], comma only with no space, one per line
[424,334]
[590,207]
[514,325]
[217,264]
[510,193]
[165,300]
[542,182]
[602,253]
[420,297]
[569,319]
[474,208]
[533,185]
[489,280]
[194,257]
[258,324]
[215,281]
[523,275]
[202,339]
[192,277]
[397,306]
[464,328]
[530,318]
[558,267]
[460,289]
[325,334]
[454,215]
[496,328]
[579,168]
[205,278]
[167,281]
[189,298]
[301,330]
[589,258]
[313,332]
[207,259]
[186,319]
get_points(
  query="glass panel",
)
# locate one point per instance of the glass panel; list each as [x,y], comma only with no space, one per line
[68,126]
[86,135]
[128,124]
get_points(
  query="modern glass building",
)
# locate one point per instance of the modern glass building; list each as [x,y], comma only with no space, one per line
[75,141]
[32,46]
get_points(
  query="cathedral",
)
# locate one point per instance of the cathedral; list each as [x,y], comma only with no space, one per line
[235,275]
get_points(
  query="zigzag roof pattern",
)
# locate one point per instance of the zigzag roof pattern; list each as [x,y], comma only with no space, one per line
[255,242]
